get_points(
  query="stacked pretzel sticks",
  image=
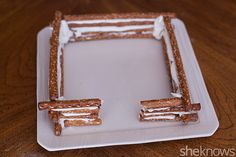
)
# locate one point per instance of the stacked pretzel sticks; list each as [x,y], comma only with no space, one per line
[67,113]
[169,109]
[112,26]
[179,106]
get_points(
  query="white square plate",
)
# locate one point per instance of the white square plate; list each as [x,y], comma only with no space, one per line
[121,72]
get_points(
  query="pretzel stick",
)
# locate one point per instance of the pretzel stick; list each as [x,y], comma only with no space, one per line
[68,123]
[53,88]
[167,102]
[179,64]
[188,118]
[181,108]
[69,103]
[81,111]
[54,116]
[58,129]
[116,16]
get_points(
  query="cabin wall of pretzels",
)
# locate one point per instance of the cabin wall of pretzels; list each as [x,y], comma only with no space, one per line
[75,28]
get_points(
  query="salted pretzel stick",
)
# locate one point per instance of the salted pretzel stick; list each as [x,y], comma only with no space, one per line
[62,73]
[181,108]
[179,64]
[58,129]
[54,116]
[116,16]
[167,102]
[53,87]
[187,117]
[69,103]
[68,123]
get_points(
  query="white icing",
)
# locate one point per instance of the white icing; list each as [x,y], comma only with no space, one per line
[147,32]
[110,21]
[123,33]
[76,114]
[87,35]
[159,27]
[156,109]
[76,108]
[64,35]
[162,113]
[178,95]
[79,30]
[160,117]
[60,98]
[77,33]
[61,122]
[173,69]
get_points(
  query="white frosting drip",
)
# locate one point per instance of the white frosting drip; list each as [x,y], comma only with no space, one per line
[159,32]
[64,35]
[147,32]
[162,113]
[173,69]
[178,95]
[79,30]
[75,108]
[123,33]
[76,114]
[61,122]
[109,21]
[156,109]
[161,117]
[60,98]
[159,27]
